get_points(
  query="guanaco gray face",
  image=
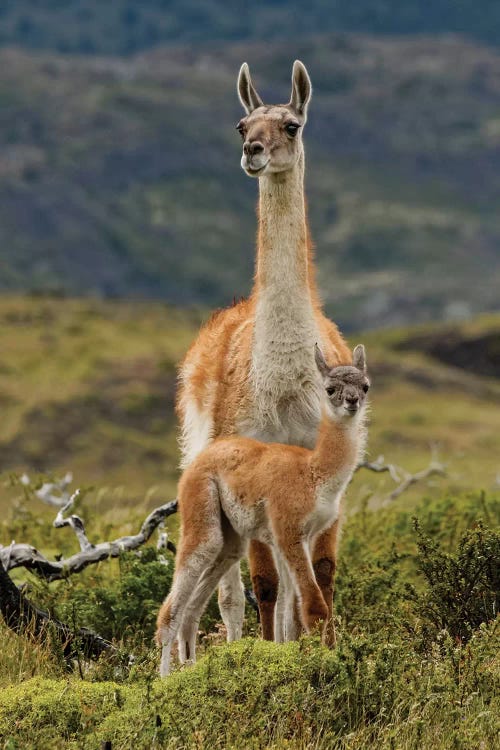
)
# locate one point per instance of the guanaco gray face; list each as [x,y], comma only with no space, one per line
[272,134]
[346,386]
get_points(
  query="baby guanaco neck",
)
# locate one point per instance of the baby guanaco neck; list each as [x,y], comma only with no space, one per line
[337,445]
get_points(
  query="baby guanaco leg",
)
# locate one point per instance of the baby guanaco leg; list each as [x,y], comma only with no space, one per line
[171,614]
[197,604]
[232,551]
[324,564]
[201,544]
[313,608]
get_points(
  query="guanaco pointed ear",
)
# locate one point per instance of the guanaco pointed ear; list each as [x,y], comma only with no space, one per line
[359,357]
[321,362]
[249,97]
[301,88]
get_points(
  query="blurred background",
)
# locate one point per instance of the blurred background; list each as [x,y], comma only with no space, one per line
[125,216]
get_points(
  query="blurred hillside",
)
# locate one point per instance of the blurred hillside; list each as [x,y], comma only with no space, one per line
[125,26]
[121,176]
[89,386]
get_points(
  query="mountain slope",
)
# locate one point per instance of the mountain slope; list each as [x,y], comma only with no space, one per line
[122,177]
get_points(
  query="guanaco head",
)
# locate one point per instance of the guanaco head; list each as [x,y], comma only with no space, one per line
[272,134]
[346,386]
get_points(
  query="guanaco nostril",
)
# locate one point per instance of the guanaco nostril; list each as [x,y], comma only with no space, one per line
[251,148]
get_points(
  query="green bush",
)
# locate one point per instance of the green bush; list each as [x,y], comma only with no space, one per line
[125,606]
[463,588]
[416,663]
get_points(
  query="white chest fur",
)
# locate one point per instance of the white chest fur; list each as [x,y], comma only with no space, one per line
[286,388]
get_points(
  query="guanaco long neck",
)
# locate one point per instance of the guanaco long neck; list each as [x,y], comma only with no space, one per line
[285,327]
[338,447]
[283,257]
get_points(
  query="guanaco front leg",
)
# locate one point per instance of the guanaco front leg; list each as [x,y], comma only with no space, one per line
[313,608]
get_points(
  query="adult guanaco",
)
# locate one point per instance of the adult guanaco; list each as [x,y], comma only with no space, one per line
[251,370]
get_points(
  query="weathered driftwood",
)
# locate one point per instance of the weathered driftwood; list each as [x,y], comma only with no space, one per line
[24,618]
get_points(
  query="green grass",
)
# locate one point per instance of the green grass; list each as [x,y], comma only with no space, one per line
[258,695]
[89,386]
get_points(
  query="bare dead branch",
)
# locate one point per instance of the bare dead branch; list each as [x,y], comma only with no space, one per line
[75,522]
[52,493]
[24,555]
[401,476]
[379,466]
[434,468]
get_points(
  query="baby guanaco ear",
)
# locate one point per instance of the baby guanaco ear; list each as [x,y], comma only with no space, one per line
[301,88]
[249,97]
[321,362]
[359,358]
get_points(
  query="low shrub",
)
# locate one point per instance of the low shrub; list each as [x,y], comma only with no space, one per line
[462,588]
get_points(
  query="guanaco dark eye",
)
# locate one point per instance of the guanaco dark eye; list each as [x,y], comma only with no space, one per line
[241,129]
[330,391]
[366,387]
[292,128]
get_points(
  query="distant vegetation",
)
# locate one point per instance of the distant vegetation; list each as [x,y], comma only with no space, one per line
[125,26]
[121,177]
[89,386]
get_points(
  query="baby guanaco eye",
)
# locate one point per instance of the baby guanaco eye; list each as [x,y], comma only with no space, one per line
[366,387]
[292,128]
[241,129]
[330,391]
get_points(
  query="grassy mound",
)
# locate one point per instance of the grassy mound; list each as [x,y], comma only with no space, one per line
[254,694]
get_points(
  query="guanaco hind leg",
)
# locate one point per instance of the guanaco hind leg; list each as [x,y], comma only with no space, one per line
[201,544]
[172,614]
[265,584]
[232,602]
[197,604]
[286,626]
